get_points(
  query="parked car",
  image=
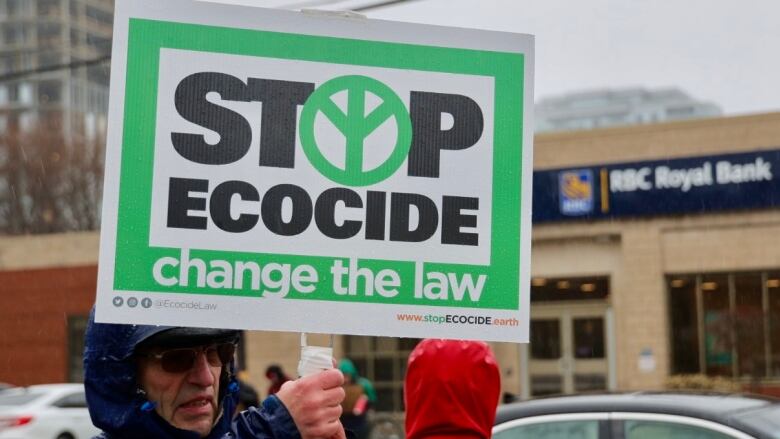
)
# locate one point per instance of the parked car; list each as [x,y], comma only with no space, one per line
[47,411]
[641,416]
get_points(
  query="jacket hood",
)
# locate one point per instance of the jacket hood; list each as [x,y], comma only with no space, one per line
[451,390]
[116,404]
[347,367]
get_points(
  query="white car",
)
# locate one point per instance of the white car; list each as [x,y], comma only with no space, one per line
[47,411]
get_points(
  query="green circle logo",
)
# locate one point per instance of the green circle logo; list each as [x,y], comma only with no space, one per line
[355,125]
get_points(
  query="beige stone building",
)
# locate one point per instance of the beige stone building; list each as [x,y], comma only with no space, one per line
[665,261]
[669,276]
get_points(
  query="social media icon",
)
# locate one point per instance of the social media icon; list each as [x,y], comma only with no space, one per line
[118,301]
[146,302]
[132,302]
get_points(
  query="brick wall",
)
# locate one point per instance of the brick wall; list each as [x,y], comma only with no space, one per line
[34,317]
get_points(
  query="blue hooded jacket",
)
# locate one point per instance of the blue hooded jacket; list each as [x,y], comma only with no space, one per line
[120,409]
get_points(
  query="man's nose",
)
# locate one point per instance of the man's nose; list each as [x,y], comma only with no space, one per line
[200,373]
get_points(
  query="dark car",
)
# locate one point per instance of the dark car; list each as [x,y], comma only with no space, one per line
[641,416]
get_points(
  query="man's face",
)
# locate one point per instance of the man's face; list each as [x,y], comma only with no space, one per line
[186,400]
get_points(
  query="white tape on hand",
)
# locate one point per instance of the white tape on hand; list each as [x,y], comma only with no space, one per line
[314,359]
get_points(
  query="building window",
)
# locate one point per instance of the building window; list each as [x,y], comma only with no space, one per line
[12,92]
[48,8]
[77,326]
[680,112]
[545,339]
[14,7]
[49,91]
[100,44]
[750,336]
[98,15]
[26,93]
[383,361]
[773,293]
[683,318]
[49,35]
[49,59]
[589,338]
[726,324]
[15,33]
[717,325]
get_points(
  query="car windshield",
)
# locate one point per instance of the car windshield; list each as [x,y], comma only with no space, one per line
[766,420]
[18,399]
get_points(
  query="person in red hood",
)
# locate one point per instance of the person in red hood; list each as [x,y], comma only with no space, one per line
[451,390]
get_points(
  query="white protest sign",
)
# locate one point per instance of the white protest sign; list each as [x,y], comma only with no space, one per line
[301,172]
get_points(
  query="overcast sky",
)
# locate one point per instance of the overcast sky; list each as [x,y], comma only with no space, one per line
[723,51]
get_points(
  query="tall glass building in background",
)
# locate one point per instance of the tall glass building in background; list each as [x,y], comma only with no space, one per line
[54,75]
[591,109]
[54,64]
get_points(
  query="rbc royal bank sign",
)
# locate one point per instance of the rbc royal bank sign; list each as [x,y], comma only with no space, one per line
[678,186]
[302,172]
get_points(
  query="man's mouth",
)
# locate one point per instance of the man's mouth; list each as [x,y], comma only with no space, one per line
[196,403]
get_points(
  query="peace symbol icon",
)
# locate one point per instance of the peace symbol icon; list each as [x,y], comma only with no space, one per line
[356,126]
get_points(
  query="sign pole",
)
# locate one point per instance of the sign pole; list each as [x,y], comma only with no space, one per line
[314,358]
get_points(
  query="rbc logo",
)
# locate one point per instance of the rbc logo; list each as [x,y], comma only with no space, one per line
[575,192]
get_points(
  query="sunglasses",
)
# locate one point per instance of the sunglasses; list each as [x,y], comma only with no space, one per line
[183,359]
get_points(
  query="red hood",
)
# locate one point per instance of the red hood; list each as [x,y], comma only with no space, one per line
[451,390]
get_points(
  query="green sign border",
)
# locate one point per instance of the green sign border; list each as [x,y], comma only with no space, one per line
[135,257]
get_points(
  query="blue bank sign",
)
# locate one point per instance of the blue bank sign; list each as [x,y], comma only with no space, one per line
[678,186]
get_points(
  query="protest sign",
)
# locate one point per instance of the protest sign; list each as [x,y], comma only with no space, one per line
[293,171]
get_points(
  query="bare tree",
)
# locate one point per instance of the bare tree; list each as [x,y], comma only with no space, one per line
[49,183]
